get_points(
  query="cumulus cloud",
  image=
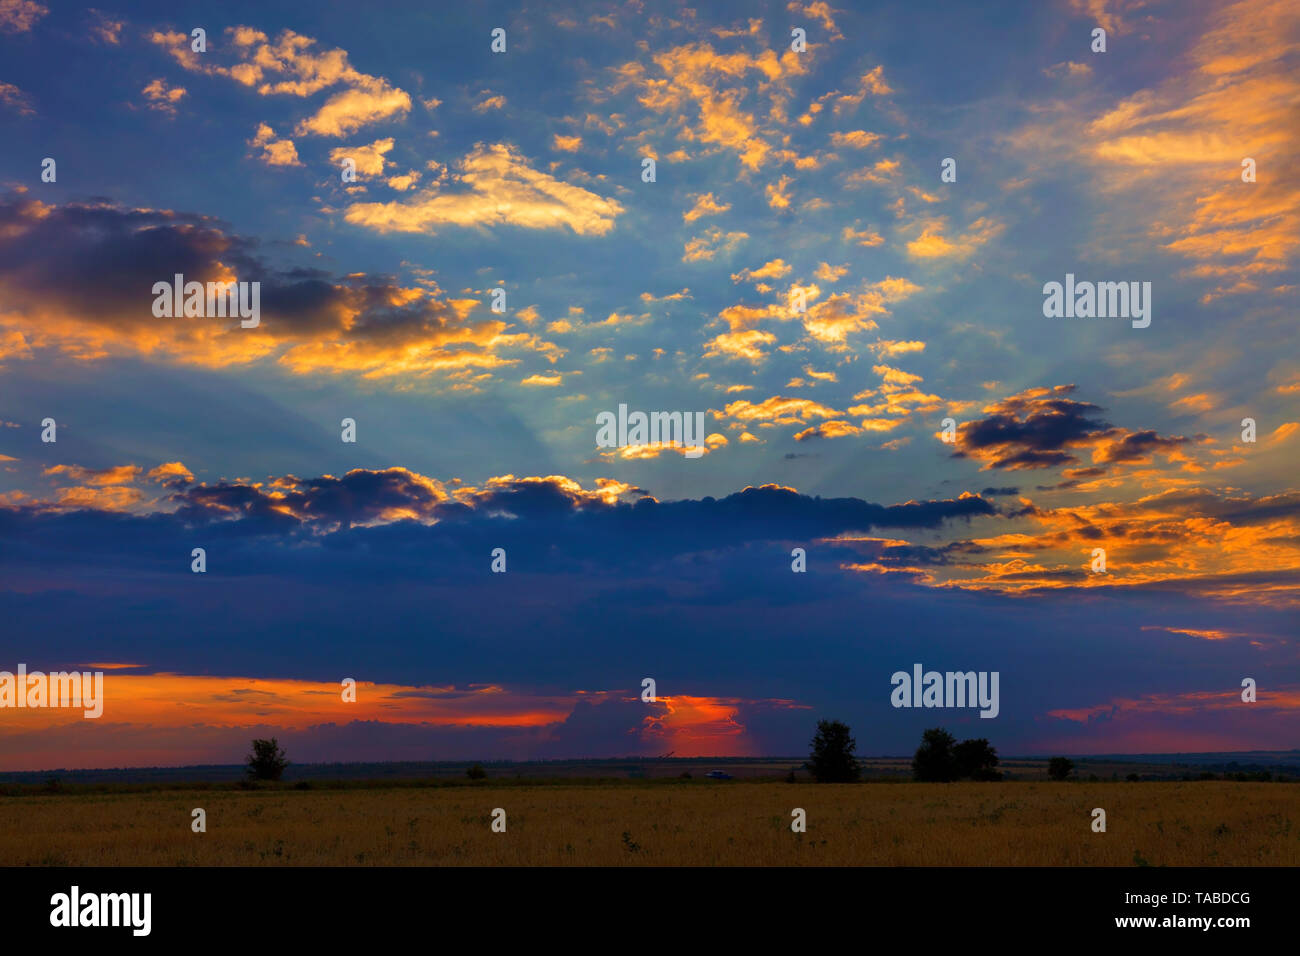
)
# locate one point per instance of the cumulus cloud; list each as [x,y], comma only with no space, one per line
[19,16]
[16,100]
[275,152]
[1045,428]
[161,97]
[712,243]
[292,65]
[500,188]
[717,100]
[77,277]
[369,159]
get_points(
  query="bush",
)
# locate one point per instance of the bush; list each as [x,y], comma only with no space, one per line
[832,759]
[1132,778]
[267,761]
[476,772]
[1058,768]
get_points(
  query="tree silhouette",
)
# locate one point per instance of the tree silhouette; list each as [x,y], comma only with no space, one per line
[1058,768]
[976,759]
[832,759]
[266,762]
[934,761]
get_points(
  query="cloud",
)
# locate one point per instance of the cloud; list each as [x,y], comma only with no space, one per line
[778,193]
[932,244]
[831,429]
[405,181]
[747,345]
[704,204]
[275,152]
[709,96]
[818,10]
[293,66]
[77,278]
[502,189]
[173,474]
[832,320]
[714,241]
[549,380]
[863,238]
[489,101]
[19,16]
[1111,15]
[775,269]
[369,159]
[1069,70]
[1044,428]
[1176,148]
[16,100]
[855,139]
[163,98]
[1224,545]
[1205,635]
[350,110]
[871,83]
[554,506]
[104,29]
[777,410]
[120,475]
[1034,429]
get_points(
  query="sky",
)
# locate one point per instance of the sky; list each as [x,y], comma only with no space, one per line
[840,259]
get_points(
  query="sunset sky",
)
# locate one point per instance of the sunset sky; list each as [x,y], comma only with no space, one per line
[776,170]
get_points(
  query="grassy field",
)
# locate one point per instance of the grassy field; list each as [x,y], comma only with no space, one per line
[665,822]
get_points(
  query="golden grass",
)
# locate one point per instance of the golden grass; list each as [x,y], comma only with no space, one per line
[1014,823]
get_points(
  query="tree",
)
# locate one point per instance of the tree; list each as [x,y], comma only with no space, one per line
[832,759]
[476,772]
[934,761]
[976,759]
[266,762]
[1058,768]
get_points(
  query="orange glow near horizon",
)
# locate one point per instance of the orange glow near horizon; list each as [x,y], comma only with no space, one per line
[162,704]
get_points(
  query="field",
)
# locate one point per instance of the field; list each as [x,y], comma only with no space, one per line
[663,822]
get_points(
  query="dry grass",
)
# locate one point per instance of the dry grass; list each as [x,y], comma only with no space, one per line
[1014,823]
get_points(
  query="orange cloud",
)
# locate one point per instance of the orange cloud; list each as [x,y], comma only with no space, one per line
[502,189]
[704,204]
